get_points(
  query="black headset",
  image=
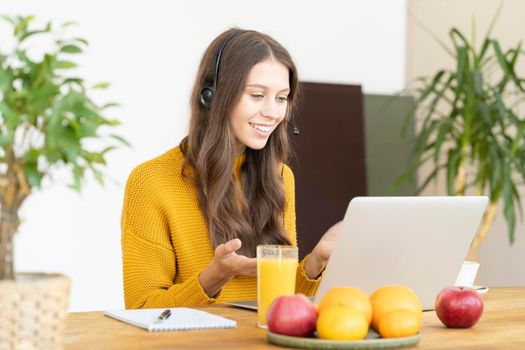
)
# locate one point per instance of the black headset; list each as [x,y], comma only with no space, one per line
[208,89]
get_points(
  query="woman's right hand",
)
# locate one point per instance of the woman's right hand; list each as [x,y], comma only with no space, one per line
[226,264]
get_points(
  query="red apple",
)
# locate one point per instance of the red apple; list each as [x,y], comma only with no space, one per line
[292,315]
[459,307]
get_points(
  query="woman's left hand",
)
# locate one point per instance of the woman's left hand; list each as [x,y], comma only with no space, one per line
[320,255]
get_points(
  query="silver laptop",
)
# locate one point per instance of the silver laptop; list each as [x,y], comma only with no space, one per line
[419,242]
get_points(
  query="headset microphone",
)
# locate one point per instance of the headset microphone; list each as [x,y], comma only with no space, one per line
[295,128]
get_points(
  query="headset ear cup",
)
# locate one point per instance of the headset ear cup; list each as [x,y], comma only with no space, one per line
[206,95]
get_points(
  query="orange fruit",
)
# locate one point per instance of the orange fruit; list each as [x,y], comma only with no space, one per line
[399,323]
[342,322]
[349,296]
[388,298]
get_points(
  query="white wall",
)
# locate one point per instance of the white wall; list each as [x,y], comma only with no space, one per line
[149,50]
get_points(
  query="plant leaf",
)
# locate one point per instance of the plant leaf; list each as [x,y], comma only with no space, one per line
[34,177]
[70,49]
[65,64]
[103,85]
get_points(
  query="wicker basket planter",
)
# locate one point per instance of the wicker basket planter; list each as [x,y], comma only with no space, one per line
[32,311]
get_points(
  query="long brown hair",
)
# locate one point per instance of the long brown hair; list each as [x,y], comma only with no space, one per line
[253,211]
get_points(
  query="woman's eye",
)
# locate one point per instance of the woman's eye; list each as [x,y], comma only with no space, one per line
[283,99]
[257,96]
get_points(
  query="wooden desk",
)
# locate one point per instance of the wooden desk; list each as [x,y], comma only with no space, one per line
[502,326]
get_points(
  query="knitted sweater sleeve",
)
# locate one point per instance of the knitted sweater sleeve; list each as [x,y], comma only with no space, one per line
[303,284]
[148,258]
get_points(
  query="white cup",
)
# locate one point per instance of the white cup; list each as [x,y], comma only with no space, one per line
[467,274]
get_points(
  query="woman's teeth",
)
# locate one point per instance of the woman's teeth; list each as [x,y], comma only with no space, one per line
[260,127]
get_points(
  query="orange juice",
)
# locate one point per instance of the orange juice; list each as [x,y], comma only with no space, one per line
[275,277]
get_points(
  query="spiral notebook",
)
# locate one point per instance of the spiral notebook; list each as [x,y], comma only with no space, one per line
[181,318]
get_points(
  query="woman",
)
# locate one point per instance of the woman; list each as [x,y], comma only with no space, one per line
[193,217]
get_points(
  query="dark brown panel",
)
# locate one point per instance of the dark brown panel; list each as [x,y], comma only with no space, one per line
[329,161]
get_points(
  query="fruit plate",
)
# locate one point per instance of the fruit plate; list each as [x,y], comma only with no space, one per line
[372,341]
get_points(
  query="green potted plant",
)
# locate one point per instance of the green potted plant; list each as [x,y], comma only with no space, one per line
[470,127]
[47,122]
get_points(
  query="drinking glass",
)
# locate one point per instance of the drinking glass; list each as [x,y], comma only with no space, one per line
[276,272]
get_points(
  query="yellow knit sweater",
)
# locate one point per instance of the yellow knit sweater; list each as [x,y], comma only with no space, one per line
[165,243]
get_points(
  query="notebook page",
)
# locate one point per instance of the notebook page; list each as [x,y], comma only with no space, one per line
[181,319]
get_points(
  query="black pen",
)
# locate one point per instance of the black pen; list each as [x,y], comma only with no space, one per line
[164,315]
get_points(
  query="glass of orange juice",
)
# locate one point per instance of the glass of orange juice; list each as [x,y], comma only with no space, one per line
[276,270]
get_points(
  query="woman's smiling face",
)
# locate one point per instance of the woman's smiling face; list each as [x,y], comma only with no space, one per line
[262,105]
